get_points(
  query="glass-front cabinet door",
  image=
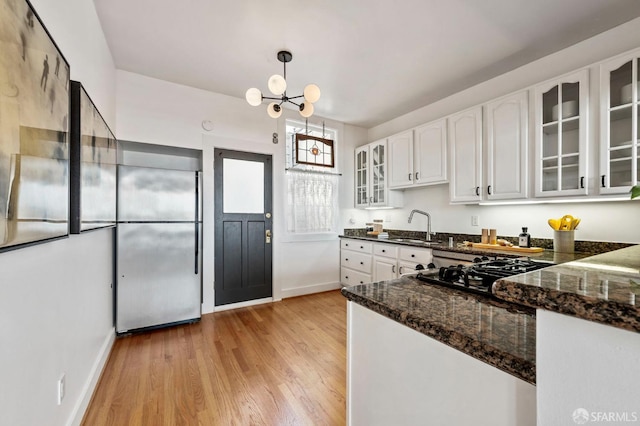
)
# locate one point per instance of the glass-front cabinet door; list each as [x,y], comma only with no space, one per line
[561,117]
[619,160]
[362,176]
[378,168]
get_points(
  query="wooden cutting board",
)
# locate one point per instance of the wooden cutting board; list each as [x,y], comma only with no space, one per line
[507,248]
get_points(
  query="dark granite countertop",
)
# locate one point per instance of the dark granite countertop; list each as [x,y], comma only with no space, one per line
[546,256]
[499,333]
[604,288]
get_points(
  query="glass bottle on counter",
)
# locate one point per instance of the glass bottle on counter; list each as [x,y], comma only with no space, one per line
[524,239]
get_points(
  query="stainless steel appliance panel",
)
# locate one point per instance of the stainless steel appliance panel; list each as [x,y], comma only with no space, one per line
[156,195]
[157,282]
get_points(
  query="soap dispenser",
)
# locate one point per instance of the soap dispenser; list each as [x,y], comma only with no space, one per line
[524,239]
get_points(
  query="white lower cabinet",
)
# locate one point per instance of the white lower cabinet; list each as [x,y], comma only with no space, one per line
[363,262]
[355,262]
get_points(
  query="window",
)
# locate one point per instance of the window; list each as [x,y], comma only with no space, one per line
[312,183]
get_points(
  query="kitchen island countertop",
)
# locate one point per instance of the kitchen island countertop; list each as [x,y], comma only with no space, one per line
[498,333]
[604,288]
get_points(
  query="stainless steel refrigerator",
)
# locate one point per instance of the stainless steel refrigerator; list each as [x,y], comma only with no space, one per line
[158,248]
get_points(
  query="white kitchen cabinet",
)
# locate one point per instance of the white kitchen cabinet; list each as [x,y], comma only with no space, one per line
[619,112]
[430,153]
[371,186]
[355,262]
[385,262]
[507,142]
[419,157]
[401,160]
[465,147]
[363,262]
[561,124]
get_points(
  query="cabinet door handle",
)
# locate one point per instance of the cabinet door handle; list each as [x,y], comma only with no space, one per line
[478,190]
[346,277]
[384,251]
[413,255]
[409,176]
[361,282]
[416,175]
[346,244]
[489,189]
[602,180]
[582,182]
[362,263]
[346,259]
[393,268]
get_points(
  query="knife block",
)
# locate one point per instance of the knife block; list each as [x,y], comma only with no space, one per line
[563,241]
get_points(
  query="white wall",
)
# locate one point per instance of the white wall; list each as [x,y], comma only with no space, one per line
[56,305]
[159,112]
[600,221]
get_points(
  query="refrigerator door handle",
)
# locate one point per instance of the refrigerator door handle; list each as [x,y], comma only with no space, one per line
[197,226]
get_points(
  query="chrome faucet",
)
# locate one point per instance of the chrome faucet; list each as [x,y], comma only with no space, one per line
[428,221]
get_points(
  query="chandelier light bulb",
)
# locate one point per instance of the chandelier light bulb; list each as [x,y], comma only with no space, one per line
[277,84]
[306,109]
[274,110]
[311,93]
[253,96]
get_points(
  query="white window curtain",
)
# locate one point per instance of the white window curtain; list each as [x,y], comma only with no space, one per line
[312,204]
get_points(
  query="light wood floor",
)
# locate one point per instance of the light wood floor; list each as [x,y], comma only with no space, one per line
[275,364]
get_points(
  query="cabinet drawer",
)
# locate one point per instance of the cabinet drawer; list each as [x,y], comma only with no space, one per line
[349,277]
[386,250]
[354,260]
[355,245]
[411,254]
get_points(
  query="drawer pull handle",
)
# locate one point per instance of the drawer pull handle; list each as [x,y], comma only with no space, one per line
[346,259]
[346,277]
[361,282]
[413,255]
[384,251]
[362,263]
[362,247]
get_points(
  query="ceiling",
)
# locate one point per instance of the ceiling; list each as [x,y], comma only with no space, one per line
[373,60]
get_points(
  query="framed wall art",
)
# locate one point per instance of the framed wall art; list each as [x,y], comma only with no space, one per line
[34,130]
[93,153]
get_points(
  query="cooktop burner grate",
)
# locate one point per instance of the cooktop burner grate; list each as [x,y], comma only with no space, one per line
[479,277]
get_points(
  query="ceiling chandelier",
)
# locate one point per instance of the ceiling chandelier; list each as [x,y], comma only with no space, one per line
[278,86]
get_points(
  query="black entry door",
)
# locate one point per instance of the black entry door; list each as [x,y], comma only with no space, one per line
[243,221]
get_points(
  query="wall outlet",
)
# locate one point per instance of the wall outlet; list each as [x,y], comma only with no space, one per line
[62,384]
[475,221]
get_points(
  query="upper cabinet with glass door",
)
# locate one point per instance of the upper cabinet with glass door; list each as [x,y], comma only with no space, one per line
[619,159]
[371,186]
[561,123]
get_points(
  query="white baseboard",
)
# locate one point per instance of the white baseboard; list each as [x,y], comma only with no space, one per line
[310,289]
[91,383]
